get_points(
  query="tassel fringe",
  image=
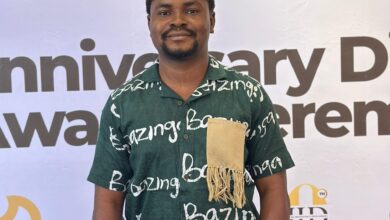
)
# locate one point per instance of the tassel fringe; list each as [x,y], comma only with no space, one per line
[219,185]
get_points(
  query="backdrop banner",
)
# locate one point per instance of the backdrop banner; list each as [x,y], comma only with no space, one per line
[324,64]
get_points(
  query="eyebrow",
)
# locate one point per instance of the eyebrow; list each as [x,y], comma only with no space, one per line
[166,5]
[190,3]
[162,5]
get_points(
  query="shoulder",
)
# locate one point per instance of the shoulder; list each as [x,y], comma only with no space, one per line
[147,79]
[238,81]
[129,94]
[231,74]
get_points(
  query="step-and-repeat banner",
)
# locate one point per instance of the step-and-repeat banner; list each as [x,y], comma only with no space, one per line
[324,63]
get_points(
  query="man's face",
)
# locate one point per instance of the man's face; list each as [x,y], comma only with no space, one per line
[180,28]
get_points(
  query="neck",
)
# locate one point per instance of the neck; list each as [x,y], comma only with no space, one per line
[183,76]
[184,70]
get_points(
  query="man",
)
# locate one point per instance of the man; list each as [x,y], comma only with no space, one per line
[174,140]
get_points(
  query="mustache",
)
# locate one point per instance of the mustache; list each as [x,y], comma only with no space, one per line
[166,33]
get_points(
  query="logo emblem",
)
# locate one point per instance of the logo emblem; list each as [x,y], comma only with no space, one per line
[308,202]
[16,202]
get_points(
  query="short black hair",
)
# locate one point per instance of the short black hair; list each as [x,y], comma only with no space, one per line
[149,3]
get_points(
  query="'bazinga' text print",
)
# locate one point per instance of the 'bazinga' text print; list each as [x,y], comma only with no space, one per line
[115,142]
[171,128]
[252,90]
[191,213]
[190,174]
[267,165]
[149,133]
[261,129]
[113,111]
[193,174]
[156,184]
[115,182]
[134,85]
[193,123]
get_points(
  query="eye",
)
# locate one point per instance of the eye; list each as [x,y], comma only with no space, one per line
[192,11]
[164,13]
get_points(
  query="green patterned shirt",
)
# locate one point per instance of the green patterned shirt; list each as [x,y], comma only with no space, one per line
[151,144]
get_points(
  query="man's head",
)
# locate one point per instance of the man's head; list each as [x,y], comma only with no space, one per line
[180,28]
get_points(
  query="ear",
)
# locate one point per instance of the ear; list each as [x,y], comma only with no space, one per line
[148,18]
[212,22]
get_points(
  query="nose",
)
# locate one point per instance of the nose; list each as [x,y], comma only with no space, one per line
[179,20]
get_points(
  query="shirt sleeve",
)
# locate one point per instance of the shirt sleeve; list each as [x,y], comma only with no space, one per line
[110,168]
[267,152]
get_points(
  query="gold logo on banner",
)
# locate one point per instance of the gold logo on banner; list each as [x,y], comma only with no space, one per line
[16,202]
[308,202]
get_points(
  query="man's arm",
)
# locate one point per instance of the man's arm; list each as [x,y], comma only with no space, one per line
[108,205]
[274,200]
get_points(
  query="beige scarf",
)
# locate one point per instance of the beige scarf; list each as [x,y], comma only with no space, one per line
[225,161]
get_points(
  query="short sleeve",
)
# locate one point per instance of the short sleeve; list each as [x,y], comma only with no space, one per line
[110,168]
[267,152]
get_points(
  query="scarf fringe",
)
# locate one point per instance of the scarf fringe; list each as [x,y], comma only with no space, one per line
[219,185]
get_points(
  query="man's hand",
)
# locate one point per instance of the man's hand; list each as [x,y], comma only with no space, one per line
[274,200]
[108,205]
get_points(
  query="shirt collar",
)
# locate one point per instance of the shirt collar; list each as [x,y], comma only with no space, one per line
[215,71]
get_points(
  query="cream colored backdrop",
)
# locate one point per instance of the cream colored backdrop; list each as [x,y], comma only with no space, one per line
[324,63]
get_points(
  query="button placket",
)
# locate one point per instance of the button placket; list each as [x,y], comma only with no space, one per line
[183,144]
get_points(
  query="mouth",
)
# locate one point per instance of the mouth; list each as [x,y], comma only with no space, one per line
[177,35]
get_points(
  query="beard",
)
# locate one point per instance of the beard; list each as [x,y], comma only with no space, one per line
[179,53]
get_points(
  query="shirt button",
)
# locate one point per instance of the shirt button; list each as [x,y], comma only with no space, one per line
[186,136]
[179,103]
